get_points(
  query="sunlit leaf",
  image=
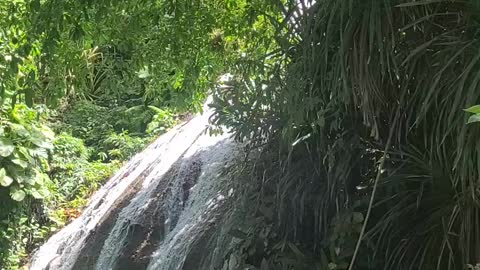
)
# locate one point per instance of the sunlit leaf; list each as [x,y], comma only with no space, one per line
[473,109]
[36,194]
[6,147]
[22,163]
[19,130]
[474,118]
[24,152]
[17,194]
[5,180]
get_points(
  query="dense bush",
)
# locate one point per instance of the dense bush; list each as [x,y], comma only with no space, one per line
[162,120]
[53,176]
[88,121]
[67,160]
[73,180]
[357,105]
[23,152]
[106,130]
[22,228]
[74,186]
[121,146]
[111,75]
[361,105]
[24,146]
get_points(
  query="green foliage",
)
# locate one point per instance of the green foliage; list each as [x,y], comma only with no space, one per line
[346,227]
[107,130]
[20,230]
[24,146]
[23,171]
[161,121]
[19,54]
[88,121]
[75,188]
[69,157]
[121,146]
[347,81]
[110,74]
[476,114]
[74,177]
[67,150]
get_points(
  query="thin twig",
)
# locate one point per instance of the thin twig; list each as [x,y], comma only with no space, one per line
[372,197]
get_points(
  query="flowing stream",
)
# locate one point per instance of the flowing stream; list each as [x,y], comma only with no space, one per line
[165,209]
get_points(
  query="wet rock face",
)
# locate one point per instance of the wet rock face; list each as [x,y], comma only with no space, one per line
[145,236]
[165,209]
[194,170]
[96,238]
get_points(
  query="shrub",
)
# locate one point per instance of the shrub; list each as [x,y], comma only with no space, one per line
[20,232]
[89,122]
[25,224]
[161,121]
[74,177]
[108,131]
[24,146]
[373,92]
[121,146]
[67,160]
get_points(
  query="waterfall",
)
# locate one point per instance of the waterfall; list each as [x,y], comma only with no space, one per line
[159,211]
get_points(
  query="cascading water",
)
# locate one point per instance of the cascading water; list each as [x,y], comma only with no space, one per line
[162,210]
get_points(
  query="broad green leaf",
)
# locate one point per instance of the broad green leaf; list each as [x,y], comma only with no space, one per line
[24,152]
[19,130]
[41,141]
[36,194]
[473,109]
[30,179]
[47,132]
[22,178]
[474,118]
[19,162]
[38,152]
[17,194]
[5,180]
[40,178]
[6,147]
[13,170]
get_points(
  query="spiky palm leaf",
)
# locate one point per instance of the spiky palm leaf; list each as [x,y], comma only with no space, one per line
[352,75]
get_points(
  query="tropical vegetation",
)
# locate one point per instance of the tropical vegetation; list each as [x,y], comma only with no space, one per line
[84,85]
[368,158]
[363,111]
